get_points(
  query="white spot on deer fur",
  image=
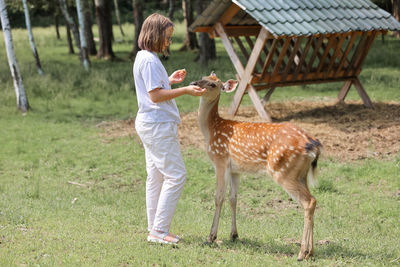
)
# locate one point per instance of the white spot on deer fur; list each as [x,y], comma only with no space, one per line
[219,140]
[291,148]
[284,131]
[263,154]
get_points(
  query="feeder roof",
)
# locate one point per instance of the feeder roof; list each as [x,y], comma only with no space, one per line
[302,17]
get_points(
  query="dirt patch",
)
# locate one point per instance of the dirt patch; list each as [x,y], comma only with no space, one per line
[347,131]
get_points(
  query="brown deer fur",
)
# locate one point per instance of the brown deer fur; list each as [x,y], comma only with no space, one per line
[283,150]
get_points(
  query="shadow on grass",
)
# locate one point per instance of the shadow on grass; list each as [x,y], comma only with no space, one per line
[282,248]
[353,117]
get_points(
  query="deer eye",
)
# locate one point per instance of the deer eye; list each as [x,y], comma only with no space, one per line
[213,85]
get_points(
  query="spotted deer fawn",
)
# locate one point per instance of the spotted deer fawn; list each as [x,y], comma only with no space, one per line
[283,150]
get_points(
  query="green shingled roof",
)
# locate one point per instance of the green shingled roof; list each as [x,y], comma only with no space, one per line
[302,17]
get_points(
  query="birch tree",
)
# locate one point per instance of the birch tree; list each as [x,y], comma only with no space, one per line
[70,21]
[31,39]
[84,49]
[22,100]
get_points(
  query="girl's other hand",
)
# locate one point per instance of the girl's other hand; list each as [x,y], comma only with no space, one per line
[177,77]
[195,90]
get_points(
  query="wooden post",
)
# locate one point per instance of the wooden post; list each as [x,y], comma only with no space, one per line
[245,74]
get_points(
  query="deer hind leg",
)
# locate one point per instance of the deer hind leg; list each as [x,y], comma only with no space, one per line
[219,199]
[234,178]
[298,189]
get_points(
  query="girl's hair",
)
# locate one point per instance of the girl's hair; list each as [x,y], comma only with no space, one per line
[153,33]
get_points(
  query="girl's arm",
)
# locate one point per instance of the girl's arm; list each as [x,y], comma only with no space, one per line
[159,95]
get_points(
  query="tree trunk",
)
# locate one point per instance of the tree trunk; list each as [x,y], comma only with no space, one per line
[118,17]
[22,100]
[56,22]
[84,49]
[138,17]
[87,18]
[190,41]
[207,49]
[396,13]
[70,21]
[69,39]
[171,9]
[104,22]
[31,39]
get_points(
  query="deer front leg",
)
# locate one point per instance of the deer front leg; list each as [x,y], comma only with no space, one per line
[219,199]
[234,178]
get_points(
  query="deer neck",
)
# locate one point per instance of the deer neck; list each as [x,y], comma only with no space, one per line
[208,115]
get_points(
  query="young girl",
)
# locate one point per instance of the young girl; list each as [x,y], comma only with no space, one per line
[157,123]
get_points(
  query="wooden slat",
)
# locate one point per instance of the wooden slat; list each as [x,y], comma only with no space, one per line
[268,94]
[234,30]
[269,59]
[343,92]
[229,49]
[365,53]
[258,104]
[335,54]
[363,94]
[282,54]
[357,53]
[328,47]
[229,14]
[291,58]
[299,82]
[300,77]
[346,53]
[314,54]
[242,48]
[251,45]
[303,57]
[247,74]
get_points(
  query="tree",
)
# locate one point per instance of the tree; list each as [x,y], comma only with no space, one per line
[118,17]
[72,26]
[104,22]
[87,17]
[69,39]
[171,9]
[396,13]
[138,18]
[22,100]
[84,49]
[207,49]
[31,39]
[190,41]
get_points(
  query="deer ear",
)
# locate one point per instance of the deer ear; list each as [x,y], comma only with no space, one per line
[229,86]
[213,73]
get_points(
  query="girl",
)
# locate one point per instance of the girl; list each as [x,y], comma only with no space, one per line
[156,124]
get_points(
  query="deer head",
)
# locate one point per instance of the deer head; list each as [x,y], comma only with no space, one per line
[214,86]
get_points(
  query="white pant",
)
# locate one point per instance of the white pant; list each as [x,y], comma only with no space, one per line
[166,173]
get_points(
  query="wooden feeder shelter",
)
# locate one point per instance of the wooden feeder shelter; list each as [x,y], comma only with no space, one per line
[281,43]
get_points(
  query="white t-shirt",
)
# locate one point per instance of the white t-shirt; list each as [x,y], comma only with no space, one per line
[149,73]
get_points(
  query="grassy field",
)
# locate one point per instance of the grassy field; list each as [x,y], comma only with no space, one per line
[45,220]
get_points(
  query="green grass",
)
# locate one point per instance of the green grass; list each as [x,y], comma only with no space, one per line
[47,221]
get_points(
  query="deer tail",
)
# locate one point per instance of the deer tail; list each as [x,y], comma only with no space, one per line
[314,150]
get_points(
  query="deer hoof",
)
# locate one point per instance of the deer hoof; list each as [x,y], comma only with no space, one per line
[304,255]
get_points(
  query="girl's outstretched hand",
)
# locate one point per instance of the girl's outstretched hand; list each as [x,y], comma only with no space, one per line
[177,76]
[195,90]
